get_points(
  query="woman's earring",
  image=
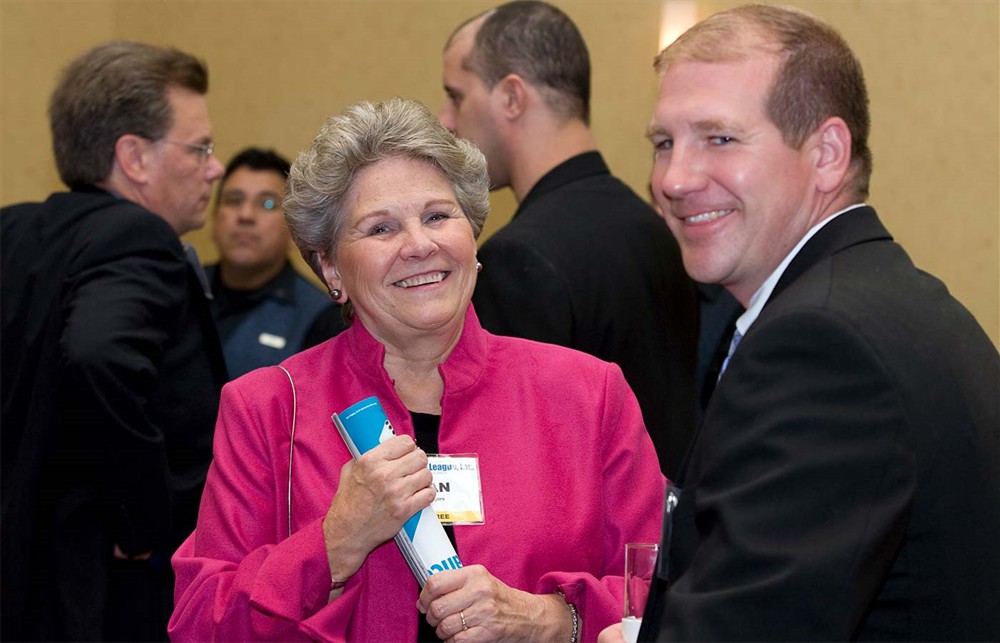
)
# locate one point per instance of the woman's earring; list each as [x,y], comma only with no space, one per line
[335,294]
[479,267]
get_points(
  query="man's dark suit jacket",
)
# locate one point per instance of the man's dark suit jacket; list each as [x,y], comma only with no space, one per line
[111,373]
[845,484]
[585,263]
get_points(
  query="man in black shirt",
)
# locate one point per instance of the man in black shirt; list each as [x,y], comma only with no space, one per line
[264,309]
[585,263]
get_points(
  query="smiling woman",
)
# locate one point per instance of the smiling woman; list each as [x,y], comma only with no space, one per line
[407,264]
[321,177]
[386,206]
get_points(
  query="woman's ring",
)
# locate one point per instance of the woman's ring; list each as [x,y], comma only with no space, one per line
[465,625]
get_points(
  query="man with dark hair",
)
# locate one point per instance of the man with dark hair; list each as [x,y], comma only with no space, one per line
[845,483]
[111,365]
[264,309]
[585,263]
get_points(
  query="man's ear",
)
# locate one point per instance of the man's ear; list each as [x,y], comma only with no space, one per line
[132,155]
[832,142]
[512,93]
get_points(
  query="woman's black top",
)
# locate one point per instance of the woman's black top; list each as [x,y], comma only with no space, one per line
[425,428]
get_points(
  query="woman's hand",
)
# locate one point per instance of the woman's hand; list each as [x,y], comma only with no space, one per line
[611,634]
[470,604]
[377,493]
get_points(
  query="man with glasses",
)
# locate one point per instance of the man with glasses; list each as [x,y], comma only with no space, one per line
[263,308]
[111,364]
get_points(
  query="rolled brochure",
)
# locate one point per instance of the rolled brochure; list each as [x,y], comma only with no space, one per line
[422,540]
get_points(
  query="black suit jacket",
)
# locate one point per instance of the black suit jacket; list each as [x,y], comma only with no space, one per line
[845,483]
[585,263]
[111,373]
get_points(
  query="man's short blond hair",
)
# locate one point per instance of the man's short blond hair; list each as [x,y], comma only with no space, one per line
[819,76]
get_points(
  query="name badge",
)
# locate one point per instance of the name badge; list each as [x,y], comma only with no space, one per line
[459,498]
[272,341]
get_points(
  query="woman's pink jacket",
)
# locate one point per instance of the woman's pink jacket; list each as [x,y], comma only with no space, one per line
[568,472]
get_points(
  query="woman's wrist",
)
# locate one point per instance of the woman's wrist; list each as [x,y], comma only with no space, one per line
[343,554]
[574,619]
[558,621]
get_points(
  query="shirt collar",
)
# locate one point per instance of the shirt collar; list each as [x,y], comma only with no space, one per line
[760,298]
[283,285]
[281,288]
[572,169]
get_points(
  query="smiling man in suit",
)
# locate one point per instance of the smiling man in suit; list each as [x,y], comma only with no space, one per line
[845,483]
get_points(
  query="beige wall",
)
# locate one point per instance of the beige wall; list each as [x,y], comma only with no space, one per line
[278,68]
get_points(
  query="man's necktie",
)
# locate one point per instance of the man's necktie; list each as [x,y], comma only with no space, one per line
[737,336]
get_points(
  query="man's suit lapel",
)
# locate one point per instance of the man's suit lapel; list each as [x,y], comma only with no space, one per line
[851,228]
[200,292]
[857,226]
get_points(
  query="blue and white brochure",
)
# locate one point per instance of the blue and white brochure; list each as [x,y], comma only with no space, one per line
[423,541]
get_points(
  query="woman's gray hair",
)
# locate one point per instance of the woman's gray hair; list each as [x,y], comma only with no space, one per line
[364,134]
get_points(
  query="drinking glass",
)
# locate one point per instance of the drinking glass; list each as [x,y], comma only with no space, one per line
[640,565]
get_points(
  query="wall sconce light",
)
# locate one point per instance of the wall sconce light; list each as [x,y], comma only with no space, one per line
[676,16]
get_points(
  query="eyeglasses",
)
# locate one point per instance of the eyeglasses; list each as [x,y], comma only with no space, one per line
[204,151]
[262,202]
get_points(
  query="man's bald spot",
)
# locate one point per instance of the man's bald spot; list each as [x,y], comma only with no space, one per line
[473,23]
